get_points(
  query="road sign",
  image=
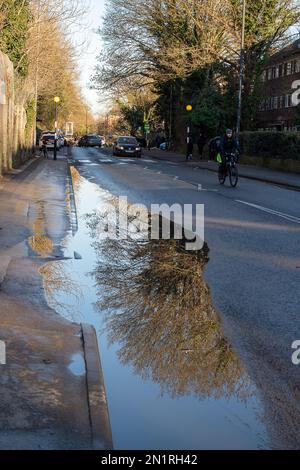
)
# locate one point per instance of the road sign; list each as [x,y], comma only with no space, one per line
[147,127]
[69,128]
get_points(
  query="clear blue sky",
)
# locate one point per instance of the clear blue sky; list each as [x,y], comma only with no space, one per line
[90,50]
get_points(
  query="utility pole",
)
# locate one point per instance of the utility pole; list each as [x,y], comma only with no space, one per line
[189,109]
[86,120]
[171,115]
[56,101]
[241,77]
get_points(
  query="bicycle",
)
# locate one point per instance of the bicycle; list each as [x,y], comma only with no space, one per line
[231,170]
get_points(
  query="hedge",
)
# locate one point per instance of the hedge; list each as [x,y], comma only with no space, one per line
[265,144]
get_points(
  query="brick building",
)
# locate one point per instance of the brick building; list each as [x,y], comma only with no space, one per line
[277,110]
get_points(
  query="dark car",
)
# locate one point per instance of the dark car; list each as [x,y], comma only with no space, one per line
[127,146]
[91,140]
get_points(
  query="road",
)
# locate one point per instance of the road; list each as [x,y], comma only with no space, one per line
[253,234]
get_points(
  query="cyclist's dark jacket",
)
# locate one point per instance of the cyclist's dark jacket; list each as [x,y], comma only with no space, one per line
[228,146]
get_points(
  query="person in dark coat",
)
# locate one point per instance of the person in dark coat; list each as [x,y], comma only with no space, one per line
[228,145]
[201,142]
[190,148]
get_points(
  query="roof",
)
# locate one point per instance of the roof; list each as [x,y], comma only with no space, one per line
[287,52]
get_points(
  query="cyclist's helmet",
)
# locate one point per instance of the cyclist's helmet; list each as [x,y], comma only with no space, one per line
[229,133]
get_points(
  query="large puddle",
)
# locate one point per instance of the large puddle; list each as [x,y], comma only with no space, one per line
[173,380]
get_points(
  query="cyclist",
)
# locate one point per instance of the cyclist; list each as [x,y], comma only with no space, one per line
[228,145]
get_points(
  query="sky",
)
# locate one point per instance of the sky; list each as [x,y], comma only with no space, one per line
[89,51]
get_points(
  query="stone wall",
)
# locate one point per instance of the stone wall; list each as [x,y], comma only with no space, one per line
[16,140]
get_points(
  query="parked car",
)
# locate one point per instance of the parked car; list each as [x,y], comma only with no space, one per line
[90,140]
[163,146]
[49,137]
[125,146]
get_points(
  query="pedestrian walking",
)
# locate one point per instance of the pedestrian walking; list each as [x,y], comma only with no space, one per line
[201,142]
[44,148]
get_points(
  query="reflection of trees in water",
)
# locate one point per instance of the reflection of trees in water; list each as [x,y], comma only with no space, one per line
[160,311]
[39,242]
[62,293]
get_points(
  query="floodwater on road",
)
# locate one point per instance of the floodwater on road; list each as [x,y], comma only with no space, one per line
[173,380]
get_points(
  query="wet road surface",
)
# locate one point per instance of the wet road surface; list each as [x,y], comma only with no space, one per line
[211,369]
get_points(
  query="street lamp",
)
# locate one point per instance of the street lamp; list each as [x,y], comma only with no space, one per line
[188,108]
[56,100]
[241,77]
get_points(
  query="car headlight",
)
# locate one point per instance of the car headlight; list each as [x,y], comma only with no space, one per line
[137,148]
[120,148]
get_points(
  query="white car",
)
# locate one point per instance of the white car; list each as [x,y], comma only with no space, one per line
[49,137]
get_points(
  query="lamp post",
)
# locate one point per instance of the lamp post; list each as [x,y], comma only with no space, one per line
[56,100]
[241,77]
[188,108]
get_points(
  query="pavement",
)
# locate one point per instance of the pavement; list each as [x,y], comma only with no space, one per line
[52,393]
[281,178]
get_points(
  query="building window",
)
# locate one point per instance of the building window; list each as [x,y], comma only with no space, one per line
[264,76]
[280,67]
[273,72]
[289,68]
[297,66]
[294,66]
[284,69]
[269,74]
[274,102]
[277,71]
[288,101]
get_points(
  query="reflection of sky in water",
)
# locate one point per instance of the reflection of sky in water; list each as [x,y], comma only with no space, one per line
[141,417]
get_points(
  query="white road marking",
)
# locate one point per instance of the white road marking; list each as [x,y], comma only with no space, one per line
[290,218]
[210,190]
[147,160]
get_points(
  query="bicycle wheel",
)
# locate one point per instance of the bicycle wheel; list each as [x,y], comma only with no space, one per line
[233,176]
[221,175]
